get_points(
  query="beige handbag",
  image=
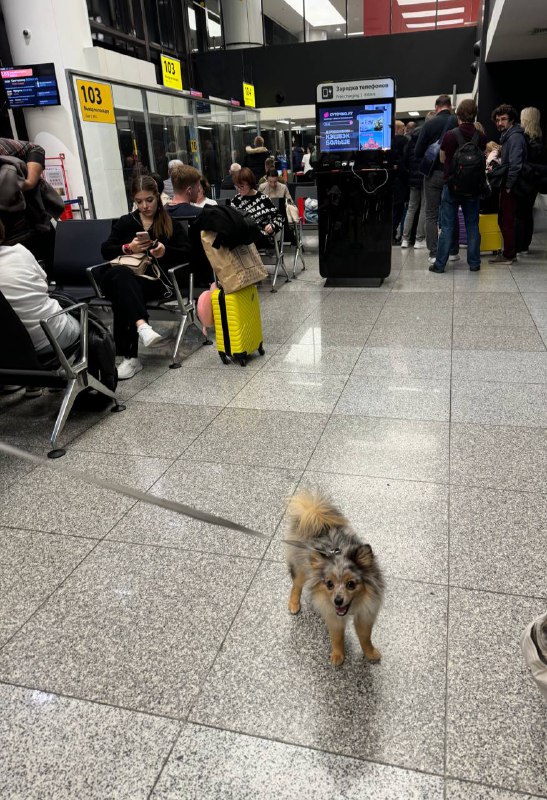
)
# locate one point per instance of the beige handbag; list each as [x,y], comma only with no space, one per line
[138,263]
[293,215]
[235,268]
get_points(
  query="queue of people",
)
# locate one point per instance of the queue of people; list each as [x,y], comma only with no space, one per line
[501,181]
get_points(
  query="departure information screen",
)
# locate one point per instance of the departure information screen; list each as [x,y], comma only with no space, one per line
[346,128]
[30,86]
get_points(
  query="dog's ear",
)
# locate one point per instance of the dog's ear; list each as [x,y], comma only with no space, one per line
[317,559]
[363,556]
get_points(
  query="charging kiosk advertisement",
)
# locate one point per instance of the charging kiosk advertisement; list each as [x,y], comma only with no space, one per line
[355,124]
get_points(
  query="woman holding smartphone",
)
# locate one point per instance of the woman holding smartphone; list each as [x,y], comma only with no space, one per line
[148,229]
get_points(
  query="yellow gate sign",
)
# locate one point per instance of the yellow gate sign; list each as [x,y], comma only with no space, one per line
[170,69]
[193,146]
[96,104]
[249,94]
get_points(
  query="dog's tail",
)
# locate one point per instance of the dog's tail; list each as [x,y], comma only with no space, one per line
[312,513]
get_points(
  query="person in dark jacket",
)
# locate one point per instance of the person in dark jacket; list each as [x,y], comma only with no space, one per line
[128,292]
[228,182]
[513,156]
[416,202]
[535,154]
[19,227]
[256,205]
[433,131]
[255,157]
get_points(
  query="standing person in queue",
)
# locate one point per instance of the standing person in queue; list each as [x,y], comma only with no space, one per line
[536,154]
[433,131]
[513,156]
[167,243]
[259,207]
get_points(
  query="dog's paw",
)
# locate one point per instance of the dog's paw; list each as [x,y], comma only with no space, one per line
[336,659]
[294,608]
[373,655]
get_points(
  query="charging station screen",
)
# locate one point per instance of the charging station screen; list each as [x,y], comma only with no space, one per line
[355,127]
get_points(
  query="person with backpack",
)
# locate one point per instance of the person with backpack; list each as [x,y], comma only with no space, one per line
[462,155]
[513,156]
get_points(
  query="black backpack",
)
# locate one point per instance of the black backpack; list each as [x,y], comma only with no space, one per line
[467,177]
[101,350]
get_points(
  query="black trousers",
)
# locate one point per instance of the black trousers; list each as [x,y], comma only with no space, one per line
[525,221]
[129,294]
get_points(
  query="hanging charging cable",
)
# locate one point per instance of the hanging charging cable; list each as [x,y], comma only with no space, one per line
[367,191]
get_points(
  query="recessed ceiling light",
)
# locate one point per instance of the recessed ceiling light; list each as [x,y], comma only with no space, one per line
[413,113]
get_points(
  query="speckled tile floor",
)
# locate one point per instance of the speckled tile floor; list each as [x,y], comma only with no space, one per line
[145,655]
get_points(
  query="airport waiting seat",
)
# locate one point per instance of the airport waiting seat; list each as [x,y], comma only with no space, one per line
[296,229]
[225,194]
[68,369]
[78,264]
[77,247]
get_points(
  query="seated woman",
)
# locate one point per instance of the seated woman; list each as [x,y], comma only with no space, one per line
[259,207]
[203,198]
[274,188]
[129,292]
[23,283]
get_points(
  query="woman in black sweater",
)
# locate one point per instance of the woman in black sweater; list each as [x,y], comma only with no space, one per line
[129,292]
[259,207]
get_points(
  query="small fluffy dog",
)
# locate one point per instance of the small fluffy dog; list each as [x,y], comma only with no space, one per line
[340,571]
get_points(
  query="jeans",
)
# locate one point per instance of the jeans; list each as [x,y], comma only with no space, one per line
[433,190]
[449,217]
[416,203]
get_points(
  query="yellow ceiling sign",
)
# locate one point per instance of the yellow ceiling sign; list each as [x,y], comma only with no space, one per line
[249,94]
[172,76]
[96,104]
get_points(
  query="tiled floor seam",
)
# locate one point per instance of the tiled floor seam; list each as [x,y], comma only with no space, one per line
[65,696]
[447,656]
[334,753]
[50,595]
[496,786]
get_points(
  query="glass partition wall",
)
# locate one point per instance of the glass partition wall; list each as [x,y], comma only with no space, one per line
[152,128]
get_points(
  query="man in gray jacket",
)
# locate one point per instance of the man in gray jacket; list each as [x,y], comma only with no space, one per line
[513,156]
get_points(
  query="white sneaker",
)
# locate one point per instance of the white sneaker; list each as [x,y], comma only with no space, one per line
[148,336]
[419,245]
[129,368]
[404,243]
[453,258]
[432,259]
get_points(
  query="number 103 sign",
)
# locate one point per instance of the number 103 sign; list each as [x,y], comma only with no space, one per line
[96,103]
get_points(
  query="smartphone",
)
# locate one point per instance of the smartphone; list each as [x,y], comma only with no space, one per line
[143,236]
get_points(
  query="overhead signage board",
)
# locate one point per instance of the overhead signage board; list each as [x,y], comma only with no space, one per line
[356,90]
[96,104]
[249,95]
[30,86]
[171,72]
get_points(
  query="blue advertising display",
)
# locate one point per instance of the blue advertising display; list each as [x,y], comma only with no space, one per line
[356,127]
[34,85]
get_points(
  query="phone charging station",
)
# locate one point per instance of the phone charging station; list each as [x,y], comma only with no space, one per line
[355,122]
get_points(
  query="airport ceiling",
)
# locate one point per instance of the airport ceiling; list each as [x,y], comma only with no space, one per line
[518,31]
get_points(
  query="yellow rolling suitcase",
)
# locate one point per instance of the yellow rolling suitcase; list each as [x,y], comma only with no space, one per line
[237,324]
[491,238]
